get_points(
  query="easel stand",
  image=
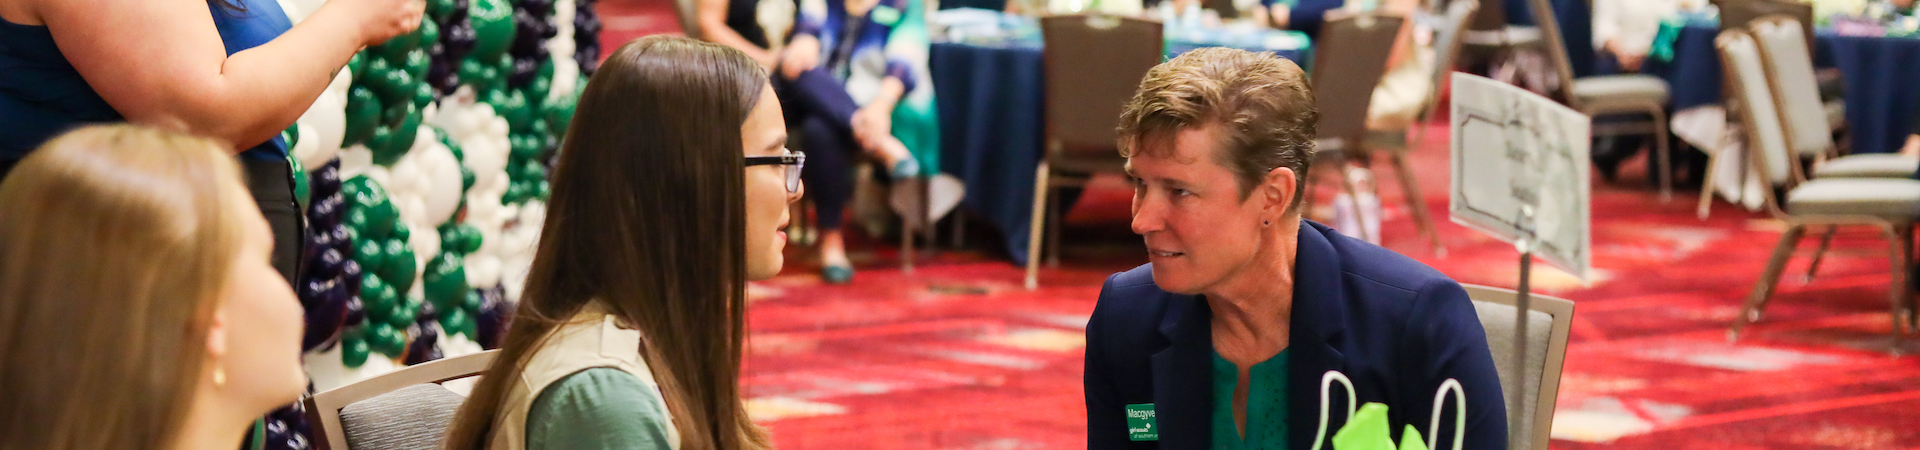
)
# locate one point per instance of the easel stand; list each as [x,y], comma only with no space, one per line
[1523,302]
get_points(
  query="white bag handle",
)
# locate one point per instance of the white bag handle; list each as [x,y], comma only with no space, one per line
[1459,416]
[1433,431]
[1326,400]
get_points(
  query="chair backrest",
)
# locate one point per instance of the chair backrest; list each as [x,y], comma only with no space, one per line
[1491,16]
[687,11]
[1549,321]
[405,409]
[1093,65]
[1447,36]
[1765,139]
[1789,67]
[1348,62]
[1740,14]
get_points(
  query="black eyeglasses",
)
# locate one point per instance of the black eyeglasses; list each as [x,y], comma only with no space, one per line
[794,161]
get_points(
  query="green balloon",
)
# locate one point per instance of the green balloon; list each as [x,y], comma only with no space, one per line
[399,318]
[395,50]
[399,270]
[472,73]
[376,67]
[302,189]
[370,287]
[395,86]
[402,234]
[353,347]
[422,95]
[356,222]
[446,279]
[558,113]
[357,65]
[385,340]
[363,114]
[454,320]
[381,139]
[493,27]
[530,169]
[470,239]
[472,303]
[380,219]
[466,178]
[516,111]
[413,303]
[368,253]
[452,239]
[541,190]
[546,69]
[417,62]
[429,32]
[439,9]
[382,301]
[516,193]
[364,192]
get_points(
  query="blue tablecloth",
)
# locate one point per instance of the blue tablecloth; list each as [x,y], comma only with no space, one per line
[992,129]
[1882,77]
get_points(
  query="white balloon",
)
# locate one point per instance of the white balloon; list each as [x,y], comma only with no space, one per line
[413,210]
[305,149]
[324,126]
[354,161]
[441,181]
[425,242]
[483,270]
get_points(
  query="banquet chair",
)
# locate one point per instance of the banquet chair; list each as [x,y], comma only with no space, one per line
[1740,15]
[404,409]
[1448,30]
[1889,205]
[1348,62]
[1549,324]
[687,12]
[1093,64]
[1611,95]
[1789,69]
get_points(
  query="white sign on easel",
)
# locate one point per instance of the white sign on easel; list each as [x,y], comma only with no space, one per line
[1514,153]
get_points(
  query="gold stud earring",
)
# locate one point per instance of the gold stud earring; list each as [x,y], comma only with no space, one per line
[219,376]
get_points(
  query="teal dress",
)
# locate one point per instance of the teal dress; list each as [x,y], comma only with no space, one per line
[1266,405]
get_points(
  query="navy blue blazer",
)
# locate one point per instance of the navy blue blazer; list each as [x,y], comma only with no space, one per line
[1394,326]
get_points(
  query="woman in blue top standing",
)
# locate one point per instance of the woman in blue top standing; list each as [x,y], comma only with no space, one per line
[840,87]
[234,70]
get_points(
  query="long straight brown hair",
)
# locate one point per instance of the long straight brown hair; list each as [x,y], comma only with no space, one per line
[115,243]
[648,217]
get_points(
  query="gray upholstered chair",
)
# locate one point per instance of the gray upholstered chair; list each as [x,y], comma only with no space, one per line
[1093,65]
[1889,205]
[1790,73]
[1448,30]
[1549,322]
[1348,62]
[405,409]
[1613,95]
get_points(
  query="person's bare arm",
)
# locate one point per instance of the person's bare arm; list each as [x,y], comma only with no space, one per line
[713,24]
[162,62]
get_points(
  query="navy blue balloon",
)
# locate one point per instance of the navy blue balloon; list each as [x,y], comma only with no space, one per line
[356,312]
[342,240]
[326,181]
[425,347]
[350,275]
[327,265]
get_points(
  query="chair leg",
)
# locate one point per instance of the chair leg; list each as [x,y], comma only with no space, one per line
[1706,186]
[927,229]
[1819,253]
[1353,199]
[1763,288]
[1035,232]
[1660,137]
[1415,201]
[906,232]
[959,230]
[1901,239]
[1053,231]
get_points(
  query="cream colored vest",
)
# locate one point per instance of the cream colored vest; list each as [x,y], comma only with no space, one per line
[592,339]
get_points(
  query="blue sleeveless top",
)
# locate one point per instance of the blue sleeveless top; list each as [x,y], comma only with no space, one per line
[41,95]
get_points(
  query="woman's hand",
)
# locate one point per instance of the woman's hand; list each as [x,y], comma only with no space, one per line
[379,20]
[802,55]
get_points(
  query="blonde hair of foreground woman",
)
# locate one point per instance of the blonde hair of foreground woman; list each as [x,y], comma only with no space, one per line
[137,305]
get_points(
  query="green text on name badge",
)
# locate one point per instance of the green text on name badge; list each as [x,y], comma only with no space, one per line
[1140,423]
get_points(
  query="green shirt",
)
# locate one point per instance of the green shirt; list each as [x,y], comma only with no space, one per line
[1266,404]
[599,408]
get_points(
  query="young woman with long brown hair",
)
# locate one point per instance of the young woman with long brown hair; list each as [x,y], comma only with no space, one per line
[670,194]
[138,307]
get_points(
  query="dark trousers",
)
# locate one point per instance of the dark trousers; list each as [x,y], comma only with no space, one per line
[818,106]
[271,183]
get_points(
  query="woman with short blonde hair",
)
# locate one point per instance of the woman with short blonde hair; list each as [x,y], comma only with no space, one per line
[138,308]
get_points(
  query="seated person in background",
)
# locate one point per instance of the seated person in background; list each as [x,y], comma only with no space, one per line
[735,23]
[1244,306]
[1623,33]
[841,85]
[671,192]
[138,306]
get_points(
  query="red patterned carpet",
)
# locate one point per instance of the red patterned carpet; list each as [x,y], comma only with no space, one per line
[958,356]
